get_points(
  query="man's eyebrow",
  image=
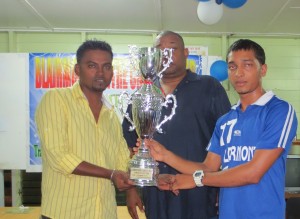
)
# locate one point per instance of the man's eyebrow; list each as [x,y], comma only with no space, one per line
[243,60]
[90,61]
[107,63]
[247,60]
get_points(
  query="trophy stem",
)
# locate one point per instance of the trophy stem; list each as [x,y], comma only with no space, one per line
[143,150]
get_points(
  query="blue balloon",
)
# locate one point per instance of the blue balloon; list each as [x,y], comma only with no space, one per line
[234,3]
[219,70]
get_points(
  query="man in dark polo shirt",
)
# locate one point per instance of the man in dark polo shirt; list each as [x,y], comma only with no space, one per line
[201,100]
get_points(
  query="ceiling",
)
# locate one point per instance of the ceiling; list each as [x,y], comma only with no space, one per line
[256,17]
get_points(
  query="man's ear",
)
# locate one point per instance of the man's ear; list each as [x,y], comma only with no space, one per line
[186,52]
[76,69]
[264,69]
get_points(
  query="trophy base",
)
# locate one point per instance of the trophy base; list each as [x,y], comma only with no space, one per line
[142,183]
[143,169]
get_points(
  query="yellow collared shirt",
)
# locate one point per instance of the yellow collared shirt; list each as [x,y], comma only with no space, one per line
[69,135]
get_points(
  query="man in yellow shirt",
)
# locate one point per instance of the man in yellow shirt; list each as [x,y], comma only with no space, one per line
[83,150]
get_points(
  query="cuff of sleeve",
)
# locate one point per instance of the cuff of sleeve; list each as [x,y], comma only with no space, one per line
[70,162]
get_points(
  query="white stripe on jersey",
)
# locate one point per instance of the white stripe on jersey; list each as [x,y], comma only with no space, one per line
[287,127]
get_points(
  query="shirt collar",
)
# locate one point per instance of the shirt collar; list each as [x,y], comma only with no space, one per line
[78,94]
[263,100]
[190,76]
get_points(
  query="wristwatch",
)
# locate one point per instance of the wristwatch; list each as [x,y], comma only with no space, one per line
[198,176]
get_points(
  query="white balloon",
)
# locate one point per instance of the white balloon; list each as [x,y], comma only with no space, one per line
[209,12]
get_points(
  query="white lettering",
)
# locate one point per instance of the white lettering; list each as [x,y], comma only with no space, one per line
[238,153]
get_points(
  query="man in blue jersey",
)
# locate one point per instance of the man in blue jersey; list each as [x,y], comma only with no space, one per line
[250,144]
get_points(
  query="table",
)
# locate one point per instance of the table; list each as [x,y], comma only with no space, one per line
[34,213]
[15,213]
[292,195]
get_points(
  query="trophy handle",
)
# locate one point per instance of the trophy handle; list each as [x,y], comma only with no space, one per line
[169,99]
[133,57]
[125,98]
[166,53]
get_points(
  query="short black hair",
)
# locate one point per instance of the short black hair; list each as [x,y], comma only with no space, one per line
[167,33]
[93,45]
[246,44]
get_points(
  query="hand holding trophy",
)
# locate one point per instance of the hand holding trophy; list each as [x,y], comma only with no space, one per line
[147,104]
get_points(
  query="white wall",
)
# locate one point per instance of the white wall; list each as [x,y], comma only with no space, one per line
[14,110]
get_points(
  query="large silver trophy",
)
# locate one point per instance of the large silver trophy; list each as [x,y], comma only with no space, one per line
[147,103]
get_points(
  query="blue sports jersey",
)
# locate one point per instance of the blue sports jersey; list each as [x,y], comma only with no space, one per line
[268,123]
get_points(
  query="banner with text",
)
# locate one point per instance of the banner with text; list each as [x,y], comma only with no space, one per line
[56,70]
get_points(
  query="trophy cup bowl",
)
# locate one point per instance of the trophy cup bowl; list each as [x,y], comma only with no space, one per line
[149,61]
[147,103]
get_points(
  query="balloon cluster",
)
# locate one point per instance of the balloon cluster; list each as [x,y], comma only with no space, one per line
[211,11]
